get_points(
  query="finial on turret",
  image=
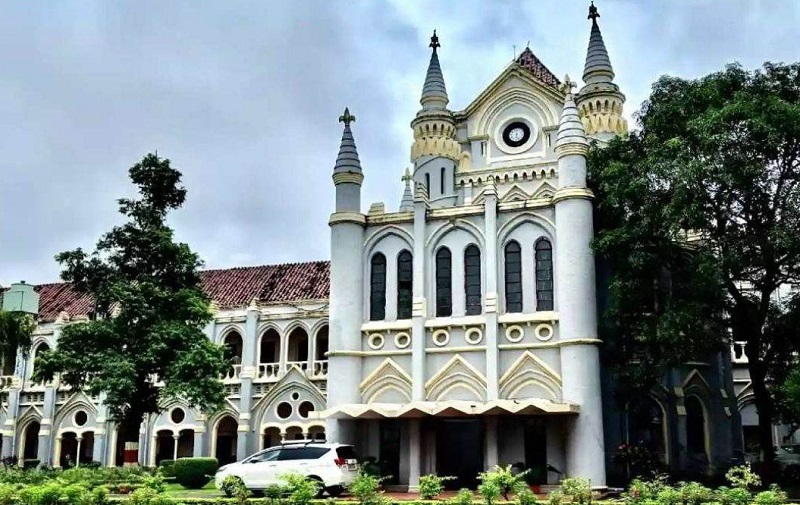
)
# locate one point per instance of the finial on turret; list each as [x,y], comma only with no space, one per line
[434,41]
[347,118]
[567,86]
[593,14]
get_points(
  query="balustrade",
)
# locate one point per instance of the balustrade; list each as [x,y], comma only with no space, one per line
[233,373]
[319,369]
[738,355]
[268,372]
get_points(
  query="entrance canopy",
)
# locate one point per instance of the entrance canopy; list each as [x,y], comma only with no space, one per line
[447,409]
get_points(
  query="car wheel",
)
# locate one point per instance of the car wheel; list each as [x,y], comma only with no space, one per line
[334,491]
[320,485]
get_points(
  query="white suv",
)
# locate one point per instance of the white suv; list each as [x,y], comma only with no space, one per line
[334,466]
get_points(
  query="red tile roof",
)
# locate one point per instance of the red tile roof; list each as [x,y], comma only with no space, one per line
[534,65]
[230,287]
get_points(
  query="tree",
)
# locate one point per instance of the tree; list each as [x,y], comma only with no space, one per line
[712,176]
[145,342]
[16,329]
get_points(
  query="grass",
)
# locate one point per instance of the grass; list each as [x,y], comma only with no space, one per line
[208,491]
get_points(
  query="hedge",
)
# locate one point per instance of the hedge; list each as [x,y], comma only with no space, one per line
[194,473]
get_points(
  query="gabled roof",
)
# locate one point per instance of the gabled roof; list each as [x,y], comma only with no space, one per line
[229,287]
[534,65]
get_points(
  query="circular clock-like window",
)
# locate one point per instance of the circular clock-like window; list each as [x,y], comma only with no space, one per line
[516,134]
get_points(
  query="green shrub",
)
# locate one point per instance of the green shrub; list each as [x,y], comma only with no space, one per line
[167,468]
[526,497]
[773,496]
[8,493]
[463,497]
[233,487]
[694,493]
[743,477]
[274,492]
[300,488]
[366,489]
[194,473]
[579,490]
[490,491]
[668,496]
[431,486]
[505,481]
[99,496]
[641,491]
[733,496]
[147,496]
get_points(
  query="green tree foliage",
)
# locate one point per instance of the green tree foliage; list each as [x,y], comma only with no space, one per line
[16,329]
[145,342]
[698,219]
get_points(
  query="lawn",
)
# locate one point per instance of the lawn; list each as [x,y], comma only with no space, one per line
[178,491]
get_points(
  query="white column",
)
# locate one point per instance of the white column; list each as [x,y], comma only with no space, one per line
[420,309]
[414,453]
[57,453]
[491,459]
[489,272]
[175,438]
[153,448]
[78,451]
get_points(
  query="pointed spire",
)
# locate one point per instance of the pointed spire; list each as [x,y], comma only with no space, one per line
[407,202]
[598,65]
[347,161]
[570,128]
[434,94]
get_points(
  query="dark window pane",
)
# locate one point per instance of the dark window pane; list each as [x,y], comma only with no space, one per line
[377,298]
[544,275]
[405,274]
[444,295]
[472,280]
[513,277]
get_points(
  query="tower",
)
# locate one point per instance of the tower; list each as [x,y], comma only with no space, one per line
[576,297]
[600,101]
[435,152]
[347,276]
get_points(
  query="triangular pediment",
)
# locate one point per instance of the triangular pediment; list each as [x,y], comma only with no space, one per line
[515,194]
[457,380]
[530,377]
[388,383]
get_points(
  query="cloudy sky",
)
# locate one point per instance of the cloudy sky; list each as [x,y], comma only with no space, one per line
[244,97]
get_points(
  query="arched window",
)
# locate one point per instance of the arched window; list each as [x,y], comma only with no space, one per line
[695,426]
[444,282]
[428,183]
[405,274]
[441,181]
[544,275]
[377,288]
[472,280]
[513,277]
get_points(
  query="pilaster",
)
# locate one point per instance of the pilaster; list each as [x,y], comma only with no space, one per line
[419,309]
[490,297]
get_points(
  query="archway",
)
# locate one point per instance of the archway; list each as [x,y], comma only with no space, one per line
[294,433]
[271,437]
[226,437]
[269,354]
[69,450]
[233,351]
[30,440]
[696,433]
[43,347]
[297,351]
[185,444]
[85,448]
[320,351]
[647,428]
[316,433]
[165,446]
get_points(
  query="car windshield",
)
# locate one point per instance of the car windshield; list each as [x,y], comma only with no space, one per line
[346,452]
[268,455]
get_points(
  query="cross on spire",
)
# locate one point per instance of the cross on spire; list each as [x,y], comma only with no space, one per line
[347,118]
[406,176]
[434,41]
[593,14]
[567,85]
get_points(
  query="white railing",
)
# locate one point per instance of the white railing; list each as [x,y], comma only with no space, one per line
[301,365]
[233,373]
[268,372]
[738,355]
[319,369]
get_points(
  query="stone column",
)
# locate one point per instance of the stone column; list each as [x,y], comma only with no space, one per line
[99,448]
[246,376]
[152,450]
[414,454]
[490,297]
[492,457]
[419,309]
[198,451]
[56,452]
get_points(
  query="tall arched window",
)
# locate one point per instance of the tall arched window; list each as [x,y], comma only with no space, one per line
[441,181]
[544,275]
[513,277]
[472,280]
[444,283]
[377,288]
[405,275]
[695,426]
[428,183]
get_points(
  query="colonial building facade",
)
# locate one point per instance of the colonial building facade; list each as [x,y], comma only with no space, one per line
[458,331]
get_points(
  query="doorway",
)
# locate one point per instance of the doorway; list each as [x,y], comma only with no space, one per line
[459,451]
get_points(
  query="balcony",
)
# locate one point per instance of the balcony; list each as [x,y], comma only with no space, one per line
[268,372]
[319,370]
[738,356]
[233,374]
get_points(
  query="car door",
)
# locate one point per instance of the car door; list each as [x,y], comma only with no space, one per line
[259,471]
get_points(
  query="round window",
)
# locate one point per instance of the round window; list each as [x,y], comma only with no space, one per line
[305,408]
[516,134]
[402,340]
[177,415]
[544,332]
[284,410]
[473,336]
[375,341]
[295,396]
[81,418]
[514,334]
[441,337]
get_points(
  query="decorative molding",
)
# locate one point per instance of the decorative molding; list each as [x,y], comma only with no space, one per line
[376,326]
[547,316]
[456,374]
[363,354]
[347,217]
[348,178]
[388,375]
[571,149]
[547,345]
[530,370]
[447,350]
[567,193]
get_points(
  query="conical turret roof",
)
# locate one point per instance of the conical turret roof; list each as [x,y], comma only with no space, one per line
[348,160]
[434,93]
[598,65]
[570,128]
[407,202]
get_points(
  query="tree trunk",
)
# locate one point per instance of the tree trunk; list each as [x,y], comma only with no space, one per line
[129,430]
[764,407]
